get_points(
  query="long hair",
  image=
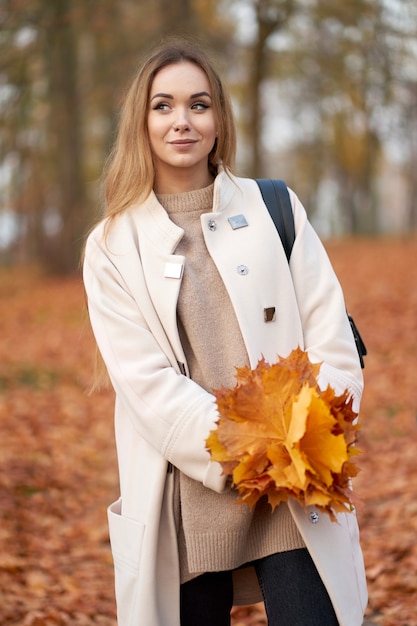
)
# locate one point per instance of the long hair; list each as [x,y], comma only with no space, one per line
[129,174]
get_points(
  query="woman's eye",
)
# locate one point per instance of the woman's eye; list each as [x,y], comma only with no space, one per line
[200,106]
[161,106]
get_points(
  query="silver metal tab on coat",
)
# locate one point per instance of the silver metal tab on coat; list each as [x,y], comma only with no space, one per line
[238,221]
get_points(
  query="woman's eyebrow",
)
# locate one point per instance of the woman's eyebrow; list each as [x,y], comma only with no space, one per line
[199,94]
[162,95]
[192,97]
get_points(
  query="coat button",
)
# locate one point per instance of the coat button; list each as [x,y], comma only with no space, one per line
[314,517]
[211,225]
[242,270]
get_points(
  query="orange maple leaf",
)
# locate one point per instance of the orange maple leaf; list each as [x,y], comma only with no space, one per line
[279,436]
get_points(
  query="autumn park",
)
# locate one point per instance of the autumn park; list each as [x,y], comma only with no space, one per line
[58,465]
[325,96]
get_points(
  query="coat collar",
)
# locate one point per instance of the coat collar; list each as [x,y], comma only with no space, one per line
[153,223]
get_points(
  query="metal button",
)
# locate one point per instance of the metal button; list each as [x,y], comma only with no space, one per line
[314,517]
[212,225]
[242,270]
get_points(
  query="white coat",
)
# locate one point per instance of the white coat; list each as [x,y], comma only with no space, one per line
[132,279]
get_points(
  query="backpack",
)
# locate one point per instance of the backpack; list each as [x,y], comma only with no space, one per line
[277,200]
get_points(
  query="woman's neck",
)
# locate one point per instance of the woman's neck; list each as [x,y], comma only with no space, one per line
[179,181]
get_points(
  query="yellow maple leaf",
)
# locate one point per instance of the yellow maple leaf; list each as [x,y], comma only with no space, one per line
[279,436]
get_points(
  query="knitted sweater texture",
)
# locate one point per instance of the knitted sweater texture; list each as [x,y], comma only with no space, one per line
[214,532]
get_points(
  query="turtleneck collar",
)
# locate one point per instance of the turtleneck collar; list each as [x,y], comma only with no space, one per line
[199,199]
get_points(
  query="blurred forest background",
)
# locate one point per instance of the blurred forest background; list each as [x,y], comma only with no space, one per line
[325,96]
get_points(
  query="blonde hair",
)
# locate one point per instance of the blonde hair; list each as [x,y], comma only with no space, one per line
[129,174]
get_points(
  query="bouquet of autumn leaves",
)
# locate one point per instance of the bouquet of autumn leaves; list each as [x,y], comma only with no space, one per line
[279,435]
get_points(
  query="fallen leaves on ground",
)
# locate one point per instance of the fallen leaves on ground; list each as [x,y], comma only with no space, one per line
[58,468]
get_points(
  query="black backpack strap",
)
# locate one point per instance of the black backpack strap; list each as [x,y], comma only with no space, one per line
[277,200]
[360,346]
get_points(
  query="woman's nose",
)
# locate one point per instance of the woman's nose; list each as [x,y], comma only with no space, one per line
[181,122]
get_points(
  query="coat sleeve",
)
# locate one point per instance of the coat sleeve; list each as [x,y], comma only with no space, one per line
[171,412]
[328,337]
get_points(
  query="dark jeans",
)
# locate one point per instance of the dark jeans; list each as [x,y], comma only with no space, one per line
[293,592]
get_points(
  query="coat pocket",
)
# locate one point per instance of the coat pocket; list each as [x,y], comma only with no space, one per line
[126,537]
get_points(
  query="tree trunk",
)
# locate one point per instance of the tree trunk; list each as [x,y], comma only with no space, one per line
[270,16]
[68,198]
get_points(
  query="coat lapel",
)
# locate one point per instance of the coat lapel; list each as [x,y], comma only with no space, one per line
[158,237]
[259,285]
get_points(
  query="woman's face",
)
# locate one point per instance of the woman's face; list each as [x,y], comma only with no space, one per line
[181,123]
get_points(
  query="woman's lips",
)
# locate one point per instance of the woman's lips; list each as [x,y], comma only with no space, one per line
[182,142]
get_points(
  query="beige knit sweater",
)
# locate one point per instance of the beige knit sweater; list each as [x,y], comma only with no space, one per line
[214,532]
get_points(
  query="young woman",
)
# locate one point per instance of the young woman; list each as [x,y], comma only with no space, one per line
[176,298]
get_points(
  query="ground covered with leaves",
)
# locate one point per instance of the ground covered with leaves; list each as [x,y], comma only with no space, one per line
[57,458]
